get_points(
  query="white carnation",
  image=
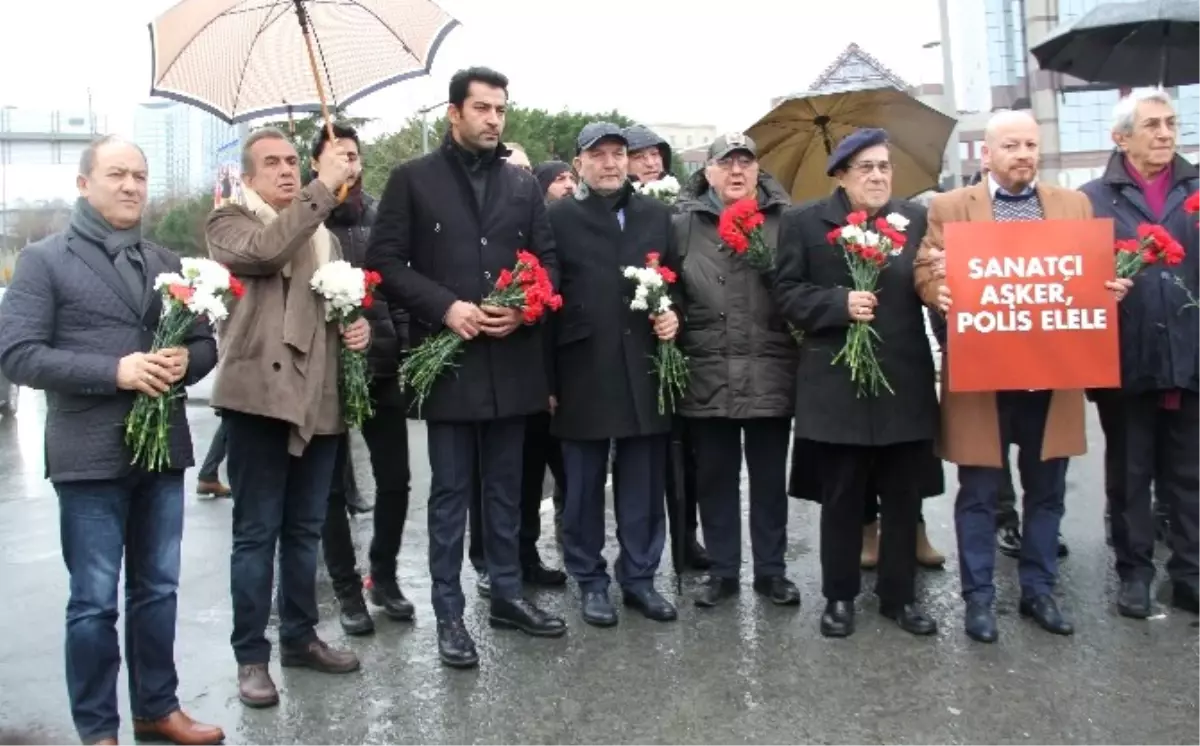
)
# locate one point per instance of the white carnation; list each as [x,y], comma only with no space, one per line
[897,221]
[664,303]
[870,238]
[852,234]
[341,285]
[631,272]
[169,278]
[639,304]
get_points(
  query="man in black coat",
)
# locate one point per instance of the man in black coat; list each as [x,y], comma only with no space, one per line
[605,385]
[448,224]
[386,434]
[78,322]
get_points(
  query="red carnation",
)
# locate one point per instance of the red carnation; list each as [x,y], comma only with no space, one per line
[667,274]
[181,293]
[652,259]
[236,288]
[856,218]
[1191,205]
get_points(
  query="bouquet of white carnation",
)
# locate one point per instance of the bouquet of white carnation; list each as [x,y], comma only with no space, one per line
[347,291]
[652,295]
[665,190]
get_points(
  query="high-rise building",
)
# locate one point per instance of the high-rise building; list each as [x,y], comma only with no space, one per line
[181,144]
[1075,115]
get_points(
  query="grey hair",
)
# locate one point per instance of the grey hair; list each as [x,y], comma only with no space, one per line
[262,133]
[87,160]
[1125,112]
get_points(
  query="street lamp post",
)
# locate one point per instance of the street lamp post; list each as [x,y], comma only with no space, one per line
[425,125]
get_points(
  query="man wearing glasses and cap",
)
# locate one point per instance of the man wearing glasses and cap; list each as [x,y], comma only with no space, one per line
[604,386]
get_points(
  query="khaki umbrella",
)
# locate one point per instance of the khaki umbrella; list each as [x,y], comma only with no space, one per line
[796,138]
[247,59]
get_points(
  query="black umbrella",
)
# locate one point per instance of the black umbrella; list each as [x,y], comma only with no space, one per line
[1128,43]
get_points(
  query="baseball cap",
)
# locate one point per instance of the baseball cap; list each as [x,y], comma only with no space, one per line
[731,142]
[594,132]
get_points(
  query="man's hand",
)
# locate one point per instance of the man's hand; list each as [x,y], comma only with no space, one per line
[357,336]
[666,325]
[943,300]
[177,362]
[334,167]
[553,404]
[145,372]
[861,305]
[464,319]
[499,322]
[937,262]
[1119,287]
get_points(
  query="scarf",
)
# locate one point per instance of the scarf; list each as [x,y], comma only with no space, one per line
[304,325]
[123,246]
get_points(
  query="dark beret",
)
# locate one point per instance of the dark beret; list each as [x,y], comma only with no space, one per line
[547,172]
[851,145]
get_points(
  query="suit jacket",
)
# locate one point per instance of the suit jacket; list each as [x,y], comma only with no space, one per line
[66,321]
[970,431]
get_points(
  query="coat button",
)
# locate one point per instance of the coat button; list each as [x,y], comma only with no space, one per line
[483,241]
[276,366]
[627,332]
[721,280]
[721,316]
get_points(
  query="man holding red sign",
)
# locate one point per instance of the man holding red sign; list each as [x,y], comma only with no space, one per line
[981,421]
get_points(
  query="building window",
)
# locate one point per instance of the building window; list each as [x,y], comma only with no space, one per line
[1085,120]
[1187,111]
[964,151]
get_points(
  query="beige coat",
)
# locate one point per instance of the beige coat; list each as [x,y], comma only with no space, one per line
[970,432]
[279,355]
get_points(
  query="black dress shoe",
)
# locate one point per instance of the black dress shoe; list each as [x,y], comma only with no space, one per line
[1184,596]
[838,619]
[386,594]
[714,590]
[598,611]
[455,646]
[1008,541]
[1064,551]
[547,577]
[910,617]
[354,617]
[519,613]
[1133,599]
[696,556]
[483,584]
[650,603]
[1044,611]
[980,622]
[779,589]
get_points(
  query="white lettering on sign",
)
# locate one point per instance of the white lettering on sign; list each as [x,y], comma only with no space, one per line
[1027,291]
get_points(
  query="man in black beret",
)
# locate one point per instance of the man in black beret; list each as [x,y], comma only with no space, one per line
[556,179]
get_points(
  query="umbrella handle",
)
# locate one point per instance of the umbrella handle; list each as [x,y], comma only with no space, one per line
[312,61]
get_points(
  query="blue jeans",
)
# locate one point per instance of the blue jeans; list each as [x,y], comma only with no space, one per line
[138,518]
[278,499]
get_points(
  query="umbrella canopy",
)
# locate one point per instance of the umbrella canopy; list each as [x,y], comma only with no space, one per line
[245,59]
[1132,44]
[795,139]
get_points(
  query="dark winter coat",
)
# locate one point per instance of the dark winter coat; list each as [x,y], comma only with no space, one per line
[604,374]
[741,357]
[812,284]
[1160,338]
[434,243]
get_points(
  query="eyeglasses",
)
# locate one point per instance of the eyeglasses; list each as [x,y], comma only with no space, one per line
[866,167]
[742,161]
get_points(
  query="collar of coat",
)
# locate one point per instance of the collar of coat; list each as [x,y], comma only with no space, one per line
[837,207]
[471,159]
[693,197]
[321,243]
[1182,171]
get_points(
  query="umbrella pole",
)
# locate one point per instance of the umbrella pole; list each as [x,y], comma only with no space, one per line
[302,15]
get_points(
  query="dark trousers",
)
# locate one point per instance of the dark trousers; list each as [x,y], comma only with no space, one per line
[871,509]
[1006,501]
[386,435]
[717,444]
[541,451]
[457,453]
[1145,445]
[216,454]
[845,471]
[278,499]
[138,519]
[1022,417]
[638,488]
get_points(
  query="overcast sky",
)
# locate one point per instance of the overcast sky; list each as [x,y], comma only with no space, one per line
[654,60]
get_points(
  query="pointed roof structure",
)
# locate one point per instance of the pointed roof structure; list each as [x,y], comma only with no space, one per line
[853,70]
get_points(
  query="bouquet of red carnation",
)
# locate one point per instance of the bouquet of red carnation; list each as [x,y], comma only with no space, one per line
[651,294]
[1152,245]
[202,289]
[867,253]
[740,227]
[525,287]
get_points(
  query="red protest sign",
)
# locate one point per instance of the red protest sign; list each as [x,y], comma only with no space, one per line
[1030,310]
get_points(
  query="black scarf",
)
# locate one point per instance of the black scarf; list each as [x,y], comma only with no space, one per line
[123,246]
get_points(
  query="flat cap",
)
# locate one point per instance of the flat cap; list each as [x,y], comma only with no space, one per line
[851,145]
[594,132]
[731,142]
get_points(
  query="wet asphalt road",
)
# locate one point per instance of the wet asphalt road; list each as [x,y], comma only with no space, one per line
[747,672]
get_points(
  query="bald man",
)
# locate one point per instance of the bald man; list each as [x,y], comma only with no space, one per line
[978,428]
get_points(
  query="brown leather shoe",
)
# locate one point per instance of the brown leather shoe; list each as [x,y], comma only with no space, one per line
[178,728]
[255,687]
[319,657]
[212,489]
[870,548]
[927,556]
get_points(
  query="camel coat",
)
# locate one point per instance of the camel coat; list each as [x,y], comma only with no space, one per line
[970,429]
